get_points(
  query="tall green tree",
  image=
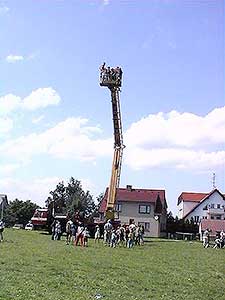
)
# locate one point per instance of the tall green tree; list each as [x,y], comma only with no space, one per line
[71,199]
[77,200]
[19,211]
[58,200]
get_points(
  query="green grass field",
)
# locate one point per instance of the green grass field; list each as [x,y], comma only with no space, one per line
[32,266]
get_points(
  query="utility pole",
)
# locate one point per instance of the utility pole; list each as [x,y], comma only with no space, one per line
[214,180]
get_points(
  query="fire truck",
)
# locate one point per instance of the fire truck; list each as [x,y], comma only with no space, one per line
[43,218]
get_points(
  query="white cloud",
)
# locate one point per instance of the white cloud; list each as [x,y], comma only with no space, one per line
[70,139]
[105,2]
[179,140]
[14,58]
[9,103]
[175,140]
[36,189]
[4,10]
[139,158]
[7,169]
[38,119]
[6,125]
[178,130]
[39,98]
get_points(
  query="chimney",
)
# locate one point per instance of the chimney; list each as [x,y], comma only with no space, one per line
[129,188]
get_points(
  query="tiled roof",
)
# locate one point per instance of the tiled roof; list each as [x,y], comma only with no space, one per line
[213,225]
[203,199]
[135,195]
[191,197]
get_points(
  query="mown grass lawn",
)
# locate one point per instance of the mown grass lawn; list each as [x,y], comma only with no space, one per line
[32,266]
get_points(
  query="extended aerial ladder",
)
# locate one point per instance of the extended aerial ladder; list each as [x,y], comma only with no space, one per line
[112,78]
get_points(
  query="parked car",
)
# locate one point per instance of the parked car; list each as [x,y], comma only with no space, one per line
[18,226]
[29,226]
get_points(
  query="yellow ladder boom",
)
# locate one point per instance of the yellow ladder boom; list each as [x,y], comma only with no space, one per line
[112,78]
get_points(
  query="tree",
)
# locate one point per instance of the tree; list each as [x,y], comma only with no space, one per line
[71,199]
[77,200]
[58,199]
[179,225]
[19,211]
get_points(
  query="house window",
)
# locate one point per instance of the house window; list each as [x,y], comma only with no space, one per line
[144,209]
[212,205]
[118,207]
[205,207]
[212,217]
[218,205]
[218,217]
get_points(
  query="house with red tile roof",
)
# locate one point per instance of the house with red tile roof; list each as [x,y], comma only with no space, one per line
[201,206]
[147,207]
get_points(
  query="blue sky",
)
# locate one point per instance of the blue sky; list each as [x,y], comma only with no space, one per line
[56,122]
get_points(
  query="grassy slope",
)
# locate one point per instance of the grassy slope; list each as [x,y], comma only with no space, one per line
[34,267]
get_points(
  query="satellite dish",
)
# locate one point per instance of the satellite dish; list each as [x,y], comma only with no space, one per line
[156,218]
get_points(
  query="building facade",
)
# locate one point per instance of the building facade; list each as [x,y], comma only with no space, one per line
[145,207]
[201,206]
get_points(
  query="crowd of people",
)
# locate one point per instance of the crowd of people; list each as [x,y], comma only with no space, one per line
[127,235]
[219,242]
[108,74]
[78,234]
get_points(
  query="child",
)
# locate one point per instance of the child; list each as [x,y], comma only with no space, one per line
[86,235]
[80,235]
[130,242]
[97,233]
[113,239]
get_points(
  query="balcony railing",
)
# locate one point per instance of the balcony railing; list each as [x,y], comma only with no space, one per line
[215,211]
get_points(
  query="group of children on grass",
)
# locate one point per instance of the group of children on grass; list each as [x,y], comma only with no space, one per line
[78,234]
[126,236]
[219,242]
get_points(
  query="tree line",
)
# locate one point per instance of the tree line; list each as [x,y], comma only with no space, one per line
[69,198]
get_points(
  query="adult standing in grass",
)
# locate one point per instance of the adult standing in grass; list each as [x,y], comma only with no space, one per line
[68,231]
[58,231]
[108,232]
[2,226]
[130,242]
[73,232]
[206,238]
[97,233]
[142,232]
[53,229]
[80,235]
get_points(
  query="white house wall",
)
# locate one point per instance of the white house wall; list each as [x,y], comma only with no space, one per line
[188,206]
[131,211]
[180,210]
[215,199]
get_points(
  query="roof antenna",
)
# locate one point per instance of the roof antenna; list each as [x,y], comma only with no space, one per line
[214,180]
